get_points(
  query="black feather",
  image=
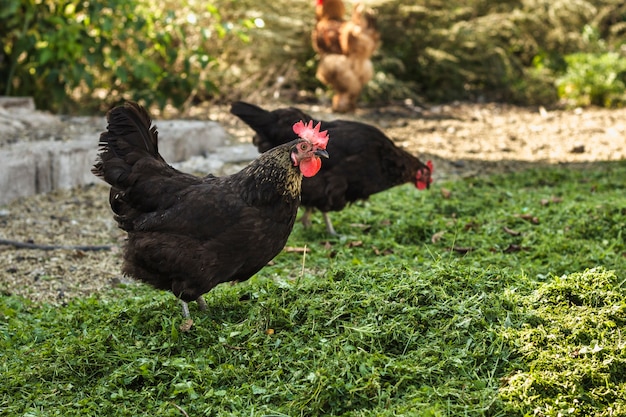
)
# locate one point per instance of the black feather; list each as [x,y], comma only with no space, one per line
[269,125]
[363,160]
[187,234]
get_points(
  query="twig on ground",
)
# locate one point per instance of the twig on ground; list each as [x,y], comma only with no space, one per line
[30,245]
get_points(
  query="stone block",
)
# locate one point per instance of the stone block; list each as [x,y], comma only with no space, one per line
[27,168]
[27,103]
[181,139]
[17,175]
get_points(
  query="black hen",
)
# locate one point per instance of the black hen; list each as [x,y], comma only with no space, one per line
[364,161]
[187,234]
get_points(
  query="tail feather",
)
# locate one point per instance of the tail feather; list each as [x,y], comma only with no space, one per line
[272,128]
[252,115]
[130,136]
[132,119]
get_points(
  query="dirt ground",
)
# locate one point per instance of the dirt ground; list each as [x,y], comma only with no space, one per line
[462,139]
[474,137]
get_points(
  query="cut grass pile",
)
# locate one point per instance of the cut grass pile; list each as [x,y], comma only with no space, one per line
[499,296]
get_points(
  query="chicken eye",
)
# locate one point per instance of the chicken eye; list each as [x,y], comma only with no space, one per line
[303,146]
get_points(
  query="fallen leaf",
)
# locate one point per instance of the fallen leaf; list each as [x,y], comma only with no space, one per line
[461,249]
[514,248]
[355,244]
[78,254]
[437,236]
[445,193]
[511,231]
[383,252]
[551,200]
[269,332]
[385,222]
[578,149]
[529,218]
[471,226]
[327,245]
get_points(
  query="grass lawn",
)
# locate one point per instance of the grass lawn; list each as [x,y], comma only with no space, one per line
[498,296]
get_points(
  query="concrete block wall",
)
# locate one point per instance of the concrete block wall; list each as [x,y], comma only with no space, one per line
[42,166]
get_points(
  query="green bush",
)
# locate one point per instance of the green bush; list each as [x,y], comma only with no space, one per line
[487,49]
[61,51]
[74,55]
[596,79]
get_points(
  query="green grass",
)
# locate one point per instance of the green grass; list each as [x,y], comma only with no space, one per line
[381,321]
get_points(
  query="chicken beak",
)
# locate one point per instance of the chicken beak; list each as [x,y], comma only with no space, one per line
[322,153]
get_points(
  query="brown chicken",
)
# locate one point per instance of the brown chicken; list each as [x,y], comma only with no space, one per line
[344,49]
[364,161]
[187,234]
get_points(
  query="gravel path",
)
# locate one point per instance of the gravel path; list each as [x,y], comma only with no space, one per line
[463,140]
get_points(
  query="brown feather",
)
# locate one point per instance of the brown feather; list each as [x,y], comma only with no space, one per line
[345,49]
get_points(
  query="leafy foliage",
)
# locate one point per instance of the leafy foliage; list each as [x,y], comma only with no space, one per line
[485,49]
[501,296]
[594,79]
[71,54]
[112,50]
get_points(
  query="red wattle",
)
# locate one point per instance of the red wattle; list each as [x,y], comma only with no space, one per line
[310,166]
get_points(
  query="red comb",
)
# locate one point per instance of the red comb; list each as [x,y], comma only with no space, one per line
[423,177]
[312,134]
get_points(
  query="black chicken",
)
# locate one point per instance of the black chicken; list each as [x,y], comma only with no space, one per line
[187,234]
[363,160]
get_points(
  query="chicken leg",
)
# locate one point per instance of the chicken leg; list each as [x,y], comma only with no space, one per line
[202,306]
[329,224]
[306,221]
[306,217]
[185,306]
